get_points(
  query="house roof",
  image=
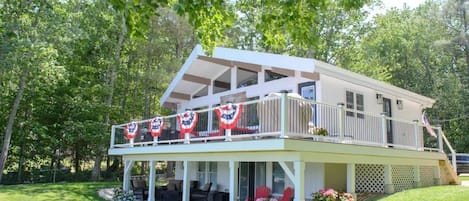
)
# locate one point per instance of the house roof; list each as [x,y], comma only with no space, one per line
[199,70]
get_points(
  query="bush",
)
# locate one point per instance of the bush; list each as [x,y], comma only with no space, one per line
[331,195]
[121,195]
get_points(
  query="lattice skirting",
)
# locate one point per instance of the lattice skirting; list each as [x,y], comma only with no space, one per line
[369,178]
[402,177]
[426,176]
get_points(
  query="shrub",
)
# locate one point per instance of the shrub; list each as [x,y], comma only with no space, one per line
[121,195]
[331,195]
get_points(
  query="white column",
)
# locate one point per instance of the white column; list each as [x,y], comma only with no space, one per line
[127,173]
[233,80]
[152,181]
[342,115]
[351,178]
[299,167]
[417,179]
[384,131]
[186,181]
[234,165]
[436,175]
[416,134]
[113,136]
[227,135]
[155,141]
[388,185]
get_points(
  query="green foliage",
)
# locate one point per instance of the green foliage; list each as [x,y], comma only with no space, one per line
[61,191]
[120,195]
[435,193]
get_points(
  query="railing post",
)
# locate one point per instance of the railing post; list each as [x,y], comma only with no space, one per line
[113,136]
[131,141]
[155,141]
[187,138]
[341,121]
[227,135]
[440,140]
[416,134]
[384,130]
[283,114]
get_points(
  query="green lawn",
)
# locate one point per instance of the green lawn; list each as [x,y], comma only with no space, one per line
[435,193]
[464,178]
[57,191]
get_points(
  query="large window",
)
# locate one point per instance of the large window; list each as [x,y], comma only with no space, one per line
[269,76]
[245,77]
[278,179]
[355,101]
[207,172]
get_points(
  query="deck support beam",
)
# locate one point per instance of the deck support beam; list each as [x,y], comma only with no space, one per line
[127,173]
[417,179]
[186,181]
[299,181]
[152,181]
[388,185]
[351,178]
[287,170]
[234,165]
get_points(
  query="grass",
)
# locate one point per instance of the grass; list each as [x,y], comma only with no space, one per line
[54,192]
[434,193]
[464,178]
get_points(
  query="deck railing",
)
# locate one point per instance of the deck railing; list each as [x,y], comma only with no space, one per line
[291,117]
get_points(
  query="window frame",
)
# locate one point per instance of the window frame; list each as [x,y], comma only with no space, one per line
[357,108]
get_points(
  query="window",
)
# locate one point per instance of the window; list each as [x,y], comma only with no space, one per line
[278,179]
[269,76]
[355,101]
[245,77]
[207,172]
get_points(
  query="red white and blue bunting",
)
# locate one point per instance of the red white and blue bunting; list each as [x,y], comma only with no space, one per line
[229,115]
[187,122]
[131,130]
[156,126]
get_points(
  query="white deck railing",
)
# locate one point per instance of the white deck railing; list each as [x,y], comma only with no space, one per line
[289,117]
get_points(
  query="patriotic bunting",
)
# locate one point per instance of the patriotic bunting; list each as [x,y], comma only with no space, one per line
[131,130]
[229,115]
[156,126]
[427,125]
[187,121]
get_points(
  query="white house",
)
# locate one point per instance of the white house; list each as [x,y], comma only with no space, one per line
[333,129]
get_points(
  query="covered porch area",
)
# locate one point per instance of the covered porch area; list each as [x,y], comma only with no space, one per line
[307,168]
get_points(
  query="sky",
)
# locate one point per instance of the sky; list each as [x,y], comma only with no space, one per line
[400,3]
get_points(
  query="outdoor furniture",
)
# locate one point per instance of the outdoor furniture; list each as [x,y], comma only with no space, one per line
[262,192]
[139,188]
[287,194]
[202,193]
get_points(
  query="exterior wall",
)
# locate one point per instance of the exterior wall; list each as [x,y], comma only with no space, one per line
[314,178]
[335,176]
[333,92]
[223,176]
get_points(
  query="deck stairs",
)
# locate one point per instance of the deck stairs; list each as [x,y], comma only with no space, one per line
[448,175]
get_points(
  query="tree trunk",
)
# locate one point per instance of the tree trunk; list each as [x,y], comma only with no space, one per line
[11,122]
[96,173]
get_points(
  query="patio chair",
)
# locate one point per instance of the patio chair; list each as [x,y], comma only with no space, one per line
[287,194]
[202,193]
[140,189]
[262,192]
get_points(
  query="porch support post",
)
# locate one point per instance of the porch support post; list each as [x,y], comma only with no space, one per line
[186,181]
[384,131]
[234,180]
[436,175]
[227,135]
[299,180]
[152,182]
[283,115]
[388,185]
[342,115]
[127,173]
[416,134]
[417,179]
[113,136]
[287,170]
[351,178]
